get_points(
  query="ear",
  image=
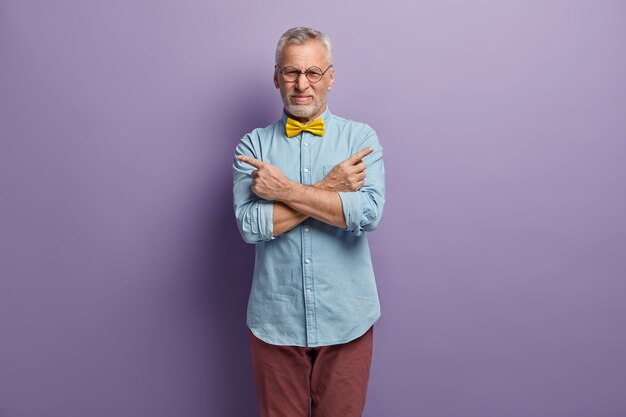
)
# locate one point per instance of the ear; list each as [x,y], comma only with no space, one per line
[276,78]
[331,81]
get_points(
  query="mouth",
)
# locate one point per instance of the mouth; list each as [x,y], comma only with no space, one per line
[301,99]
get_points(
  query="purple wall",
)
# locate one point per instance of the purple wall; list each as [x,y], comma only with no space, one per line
[501,260]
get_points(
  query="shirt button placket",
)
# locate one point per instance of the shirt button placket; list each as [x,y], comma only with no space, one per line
[307,260]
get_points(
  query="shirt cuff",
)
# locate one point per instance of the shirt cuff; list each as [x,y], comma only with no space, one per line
[352,207]
[262,216]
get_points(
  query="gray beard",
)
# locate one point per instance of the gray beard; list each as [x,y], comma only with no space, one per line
[302,111]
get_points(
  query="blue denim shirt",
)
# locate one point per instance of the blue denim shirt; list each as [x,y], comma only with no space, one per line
[313,285]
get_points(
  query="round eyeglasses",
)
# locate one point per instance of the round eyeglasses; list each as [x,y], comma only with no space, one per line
[313,74]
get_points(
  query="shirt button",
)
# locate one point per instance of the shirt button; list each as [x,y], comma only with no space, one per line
[306,170]
[306,144]
[307,261]
[308,290]
[306,229]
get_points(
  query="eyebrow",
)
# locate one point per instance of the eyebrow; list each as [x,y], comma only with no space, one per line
[308,68]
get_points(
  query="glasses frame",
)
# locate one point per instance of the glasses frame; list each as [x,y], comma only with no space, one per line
[305,72]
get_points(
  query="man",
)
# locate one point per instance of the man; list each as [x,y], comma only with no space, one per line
[306,188]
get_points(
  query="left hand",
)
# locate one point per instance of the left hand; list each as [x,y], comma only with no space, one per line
[268,182]
[348,175]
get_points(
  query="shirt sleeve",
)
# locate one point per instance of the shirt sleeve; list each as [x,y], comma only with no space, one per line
[254,215]
[363,209]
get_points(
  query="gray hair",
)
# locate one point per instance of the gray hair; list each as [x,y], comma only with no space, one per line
[300,35]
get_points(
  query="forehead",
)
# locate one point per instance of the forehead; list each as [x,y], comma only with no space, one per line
[310,53]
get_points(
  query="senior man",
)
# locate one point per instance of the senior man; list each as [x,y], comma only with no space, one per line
[306,189]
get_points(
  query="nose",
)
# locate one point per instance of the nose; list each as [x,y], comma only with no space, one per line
[302,82]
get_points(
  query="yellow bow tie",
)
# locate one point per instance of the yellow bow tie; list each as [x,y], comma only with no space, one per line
[294,127]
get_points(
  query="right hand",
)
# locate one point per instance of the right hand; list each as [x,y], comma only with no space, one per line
[268,182]
[348,175]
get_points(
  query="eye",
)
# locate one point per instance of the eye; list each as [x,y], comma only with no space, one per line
[289,70]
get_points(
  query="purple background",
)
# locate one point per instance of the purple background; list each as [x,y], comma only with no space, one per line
[501,258]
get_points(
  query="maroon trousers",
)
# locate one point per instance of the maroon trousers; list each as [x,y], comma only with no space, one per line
[333,378]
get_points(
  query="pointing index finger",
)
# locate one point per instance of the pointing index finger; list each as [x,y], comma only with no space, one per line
[250,161]
[362,153]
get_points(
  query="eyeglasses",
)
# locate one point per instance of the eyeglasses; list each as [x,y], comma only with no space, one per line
[291,74]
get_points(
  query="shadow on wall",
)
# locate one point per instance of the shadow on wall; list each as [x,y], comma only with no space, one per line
[227,261]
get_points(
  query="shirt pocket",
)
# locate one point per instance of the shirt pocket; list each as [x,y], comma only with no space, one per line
[320,175]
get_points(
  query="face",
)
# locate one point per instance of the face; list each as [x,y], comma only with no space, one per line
[304,100]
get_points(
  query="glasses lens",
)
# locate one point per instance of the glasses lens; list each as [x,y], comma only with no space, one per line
[314,74]
[290,73]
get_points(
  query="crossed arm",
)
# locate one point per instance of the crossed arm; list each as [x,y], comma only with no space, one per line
[294,202]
